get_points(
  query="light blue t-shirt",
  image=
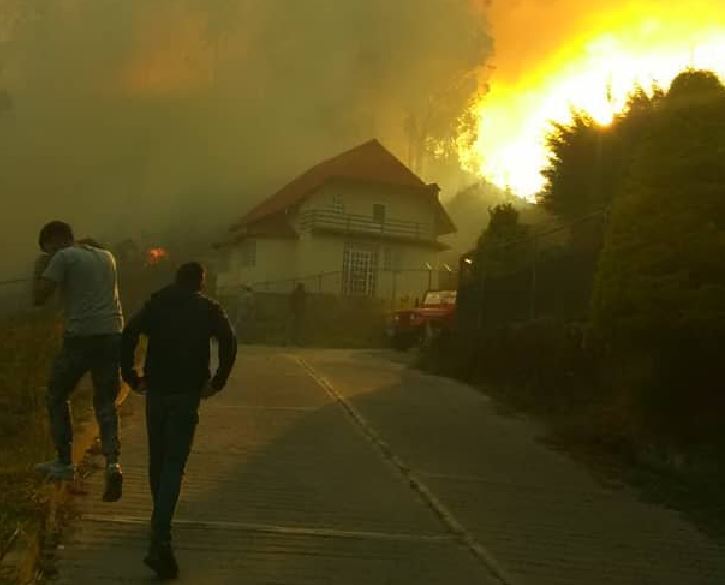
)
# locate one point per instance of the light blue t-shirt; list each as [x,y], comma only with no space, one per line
[88,284]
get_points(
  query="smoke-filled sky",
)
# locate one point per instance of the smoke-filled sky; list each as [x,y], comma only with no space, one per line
[125,116]
[131,116]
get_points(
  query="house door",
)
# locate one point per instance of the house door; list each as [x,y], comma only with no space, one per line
[359,270]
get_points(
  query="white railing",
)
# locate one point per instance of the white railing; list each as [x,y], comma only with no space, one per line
[330,220]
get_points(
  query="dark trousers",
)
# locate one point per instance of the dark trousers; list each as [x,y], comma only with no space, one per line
[296,329]
[171,421]
[99,355]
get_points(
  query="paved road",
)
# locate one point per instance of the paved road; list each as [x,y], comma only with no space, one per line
[346,468]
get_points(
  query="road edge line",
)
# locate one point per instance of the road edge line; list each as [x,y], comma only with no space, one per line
[251,527]
[482,554]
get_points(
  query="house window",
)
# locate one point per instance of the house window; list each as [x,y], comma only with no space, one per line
[359,269]
[248,253]
[338,205]
[379,213]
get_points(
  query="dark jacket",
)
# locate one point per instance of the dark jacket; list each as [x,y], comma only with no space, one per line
[179,325]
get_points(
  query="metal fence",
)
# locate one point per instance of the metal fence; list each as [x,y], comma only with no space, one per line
[554,279]
[394,287]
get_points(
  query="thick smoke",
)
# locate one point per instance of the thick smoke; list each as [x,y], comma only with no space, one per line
[129,116]
[527,31]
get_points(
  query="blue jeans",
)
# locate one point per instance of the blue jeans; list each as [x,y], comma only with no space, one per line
[171,421]
[99,355]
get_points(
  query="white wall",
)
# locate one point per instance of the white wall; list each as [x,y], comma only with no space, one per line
[275,260]
[408,279]
[319,253]
[314,256]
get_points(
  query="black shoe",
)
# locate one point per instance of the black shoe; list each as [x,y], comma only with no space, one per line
[162,561]
[114,483]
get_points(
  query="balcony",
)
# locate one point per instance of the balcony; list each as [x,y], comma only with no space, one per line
[330,221]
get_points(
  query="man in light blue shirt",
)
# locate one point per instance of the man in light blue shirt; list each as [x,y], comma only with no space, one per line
[85,276]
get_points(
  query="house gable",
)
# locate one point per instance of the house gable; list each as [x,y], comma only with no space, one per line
[369,163]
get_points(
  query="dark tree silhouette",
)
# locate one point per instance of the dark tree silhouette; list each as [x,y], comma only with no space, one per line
[659,301]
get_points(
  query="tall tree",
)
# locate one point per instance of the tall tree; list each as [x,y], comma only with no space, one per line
[503,247]
[588,163]
[660,292]
[578,177]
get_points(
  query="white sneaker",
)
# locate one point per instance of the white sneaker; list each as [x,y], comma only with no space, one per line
[114,483]
[56,469]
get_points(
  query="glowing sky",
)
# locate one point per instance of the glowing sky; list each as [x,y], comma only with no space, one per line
[552,57]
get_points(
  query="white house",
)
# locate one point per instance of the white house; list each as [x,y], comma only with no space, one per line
[360,223]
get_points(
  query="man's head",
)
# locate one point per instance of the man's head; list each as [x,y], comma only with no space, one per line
[55,235]
[191,276]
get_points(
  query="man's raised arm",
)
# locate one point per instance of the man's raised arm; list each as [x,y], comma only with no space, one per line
[137,325]
[224,334]
[43,286]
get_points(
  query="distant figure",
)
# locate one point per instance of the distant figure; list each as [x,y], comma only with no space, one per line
[86,277]
[298,309]
[180,323]
[245,310]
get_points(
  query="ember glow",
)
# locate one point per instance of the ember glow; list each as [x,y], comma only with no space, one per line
[643,44]
[156,255]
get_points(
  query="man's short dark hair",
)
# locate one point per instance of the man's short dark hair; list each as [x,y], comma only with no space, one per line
[55,229]
[190,275]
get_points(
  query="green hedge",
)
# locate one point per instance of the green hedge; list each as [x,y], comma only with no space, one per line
[28,343]
[659,300]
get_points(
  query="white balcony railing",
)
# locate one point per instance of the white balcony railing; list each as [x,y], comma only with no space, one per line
[330,220]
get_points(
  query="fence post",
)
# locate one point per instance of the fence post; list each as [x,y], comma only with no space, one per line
[395,289]
[532,291]
[482,306]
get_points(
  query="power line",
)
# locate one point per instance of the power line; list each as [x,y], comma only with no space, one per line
[15,281]
[532,237]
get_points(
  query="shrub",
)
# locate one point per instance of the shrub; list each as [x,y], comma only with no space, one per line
[659,302]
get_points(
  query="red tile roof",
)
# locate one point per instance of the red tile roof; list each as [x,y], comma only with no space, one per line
[370,161]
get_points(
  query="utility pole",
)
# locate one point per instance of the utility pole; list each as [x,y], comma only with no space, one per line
[482,307]
[395,290]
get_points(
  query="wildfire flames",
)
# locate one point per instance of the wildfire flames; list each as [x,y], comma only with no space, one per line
[594,72]
[156,255]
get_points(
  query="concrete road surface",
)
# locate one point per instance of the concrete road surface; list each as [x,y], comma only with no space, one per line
[348,468]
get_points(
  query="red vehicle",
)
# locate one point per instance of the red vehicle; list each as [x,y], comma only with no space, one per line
[411,326]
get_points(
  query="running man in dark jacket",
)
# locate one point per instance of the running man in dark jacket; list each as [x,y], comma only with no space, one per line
[179,322]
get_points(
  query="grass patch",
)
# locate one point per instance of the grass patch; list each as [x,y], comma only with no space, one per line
[28,343]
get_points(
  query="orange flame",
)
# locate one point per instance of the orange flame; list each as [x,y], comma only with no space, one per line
[156,255]
[640,42]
